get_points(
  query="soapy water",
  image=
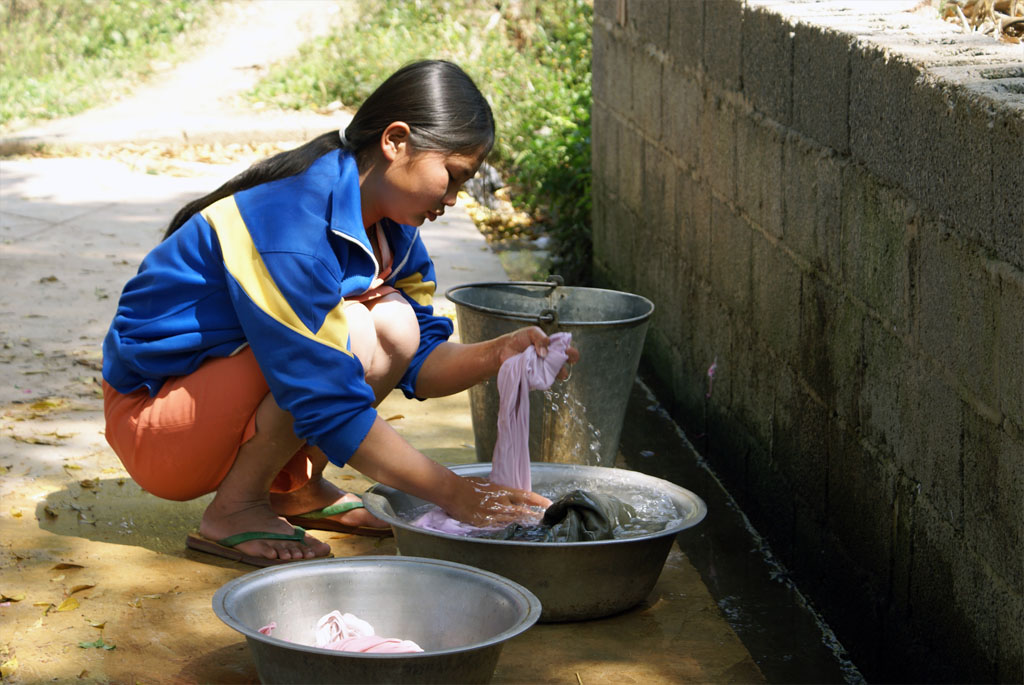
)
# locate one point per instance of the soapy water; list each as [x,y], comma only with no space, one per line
[655,511]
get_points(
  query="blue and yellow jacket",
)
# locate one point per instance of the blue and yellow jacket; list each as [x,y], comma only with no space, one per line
[271,266]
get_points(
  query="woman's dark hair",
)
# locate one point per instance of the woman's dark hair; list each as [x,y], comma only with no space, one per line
[444,109]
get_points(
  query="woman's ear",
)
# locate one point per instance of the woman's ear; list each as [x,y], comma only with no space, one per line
[394,141]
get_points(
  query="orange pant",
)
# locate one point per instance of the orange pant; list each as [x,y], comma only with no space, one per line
[181,443]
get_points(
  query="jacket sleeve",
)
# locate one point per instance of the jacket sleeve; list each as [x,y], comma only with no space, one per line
[291,312]
[416,280]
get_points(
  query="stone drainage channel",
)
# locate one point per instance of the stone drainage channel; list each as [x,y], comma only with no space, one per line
[786,638]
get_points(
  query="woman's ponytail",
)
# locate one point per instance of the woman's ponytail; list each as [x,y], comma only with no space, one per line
[443,107]
[281,165]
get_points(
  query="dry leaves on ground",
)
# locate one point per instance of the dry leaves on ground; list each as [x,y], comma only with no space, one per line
[1002,19]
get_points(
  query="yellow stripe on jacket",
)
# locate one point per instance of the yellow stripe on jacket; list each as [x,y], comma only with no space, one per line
[245,264]
[419,290]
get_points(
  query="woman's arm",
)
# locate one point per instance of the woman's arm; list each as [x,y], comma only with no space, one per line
[454,367]
[387,458]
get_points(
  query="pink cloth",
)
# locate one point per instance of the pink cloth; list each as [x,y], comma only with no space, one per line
[374,644]
[437,520]
[348,633]
[510,464]
[526,371]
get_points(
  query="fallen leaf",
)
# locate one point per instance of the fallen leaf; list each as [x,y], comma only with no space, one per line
[65,565]
[41,604]
[79,588]
[68,604]
[73,467]
[8,667]
[88,483]
[57,579]
[98,624]
[136,603]
[50,511]
[17,597]
[33,441]
[16,512]
[48,404]
[98,643]
[151,596]
[93,364]
[395,417]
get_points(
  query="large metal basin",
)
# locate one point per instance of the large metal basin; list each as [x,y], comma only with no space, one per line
[574,581]
[460,615]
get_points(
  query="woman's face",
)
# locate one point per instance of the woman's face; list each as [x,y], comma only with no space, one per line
[422,183]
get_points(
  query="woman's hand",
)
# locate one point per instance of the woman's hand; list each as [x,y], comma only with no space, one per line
[488,505]
[515,342]
[454,367]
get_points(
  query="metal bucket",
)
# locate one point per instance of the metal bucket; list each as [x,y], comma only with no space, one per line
[582,422]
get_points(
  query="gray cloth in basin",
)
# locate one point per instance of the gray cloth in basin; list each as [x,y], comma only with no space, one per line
[580,516]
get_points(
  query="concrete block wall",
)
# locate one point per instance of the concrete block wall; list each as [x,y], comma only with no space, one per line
[825,201]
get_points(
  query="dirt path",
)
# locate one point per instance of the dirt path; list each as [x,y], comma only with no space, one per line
[198,101]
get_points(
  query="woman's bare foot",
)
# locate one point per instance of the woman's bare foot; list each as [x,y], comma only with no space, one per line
[221,520]
[317,494]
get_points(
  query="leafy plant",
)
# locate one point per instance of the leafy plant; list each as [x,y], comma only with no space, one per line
[60,56]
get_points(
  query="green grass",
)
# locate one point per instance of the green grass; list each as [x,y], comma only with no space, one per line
[530,58]
[60,57]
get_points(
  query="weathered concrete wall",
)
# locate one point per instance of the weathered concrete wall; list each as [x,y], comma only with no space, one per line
[825,201]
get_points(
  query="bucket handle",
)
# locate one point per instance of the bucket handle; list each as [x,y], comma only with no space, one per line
[553,280]
[548,316]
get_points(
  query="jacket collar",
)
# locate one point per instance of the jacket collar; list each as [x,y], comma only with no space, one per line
[347,214]
[346,202]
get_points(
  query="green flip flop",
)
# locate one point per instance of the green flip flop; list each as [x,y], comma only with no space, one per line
[225,548]
[318,520]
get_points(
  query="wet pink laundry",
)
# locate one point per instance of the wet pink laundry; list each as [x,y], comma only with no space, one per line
[510,463]
[348,633]
[526,371]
